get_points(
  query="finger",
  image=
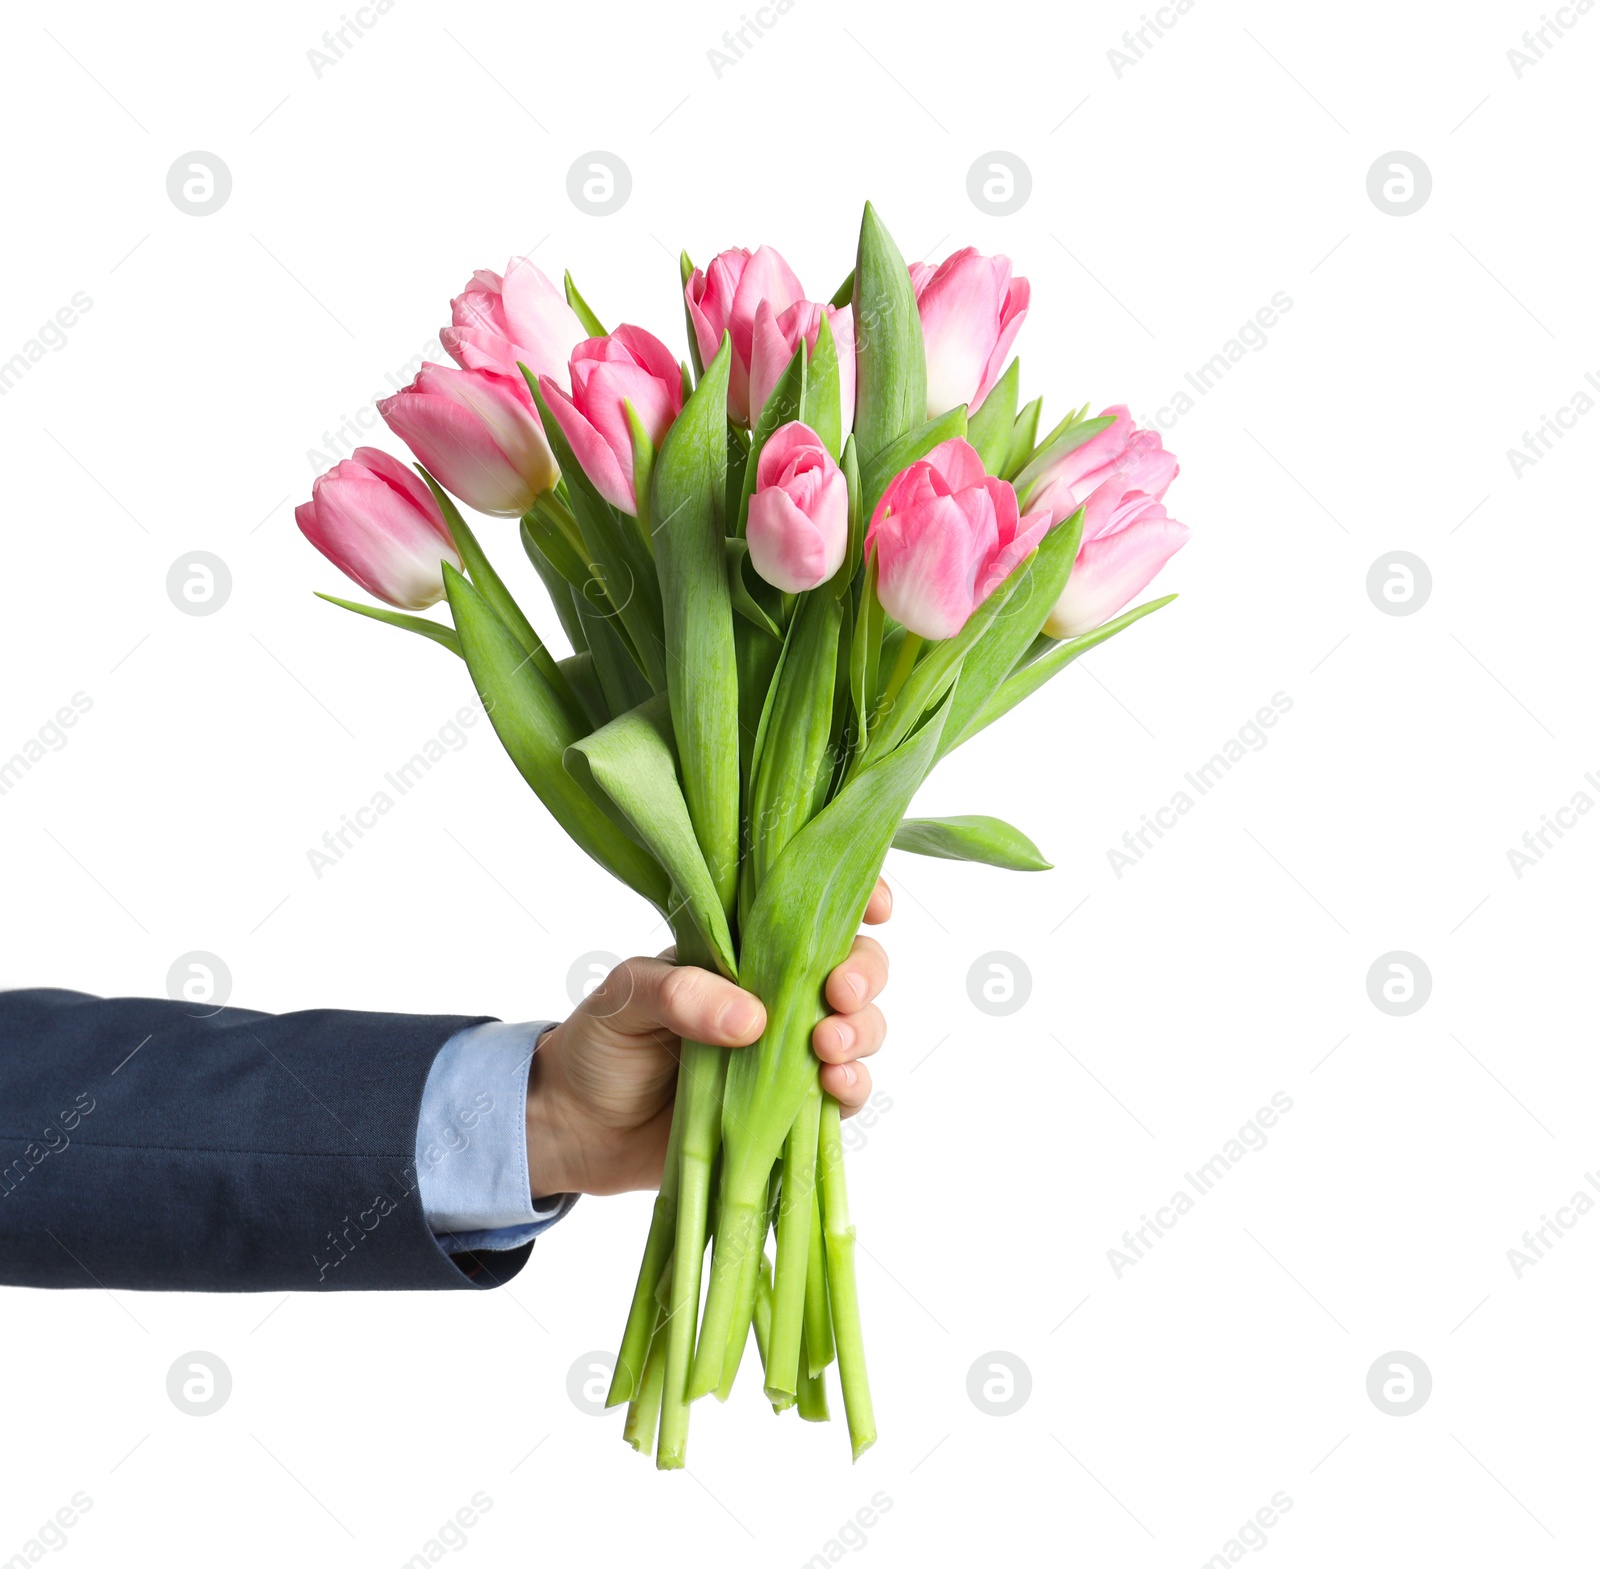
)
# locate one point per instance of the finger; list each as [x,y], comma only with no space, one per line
[849,1083]
[860,978]
[840,1039]
[642,996]
[880,906]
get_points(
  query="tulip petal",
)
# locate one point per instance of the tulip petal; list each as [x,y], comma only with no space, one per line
[1111,570]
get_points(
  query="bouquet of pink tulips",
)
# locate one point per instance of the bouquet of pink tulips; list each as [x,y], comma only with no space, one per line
[793,577]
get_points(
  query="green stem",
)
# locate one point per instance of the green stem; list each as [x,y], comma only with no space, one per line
[740,1229]
[637,1336]
[905,660]
[841,1250]
[813,1394]
[819,1323]
[701,1072]
[794,1246]
[645,1409]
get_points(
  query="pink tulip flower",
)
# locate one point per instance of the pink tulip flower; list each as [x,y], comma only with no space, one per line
[799,521]
[776,335]
[971,309]
[629,364]
[478,434]
[1119,478]
[724,297]
[379,524]
[498,320]
[947,535]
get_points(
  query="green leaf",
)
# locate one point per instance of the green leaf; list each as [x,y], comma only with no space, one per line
[619,561]
[891,375]
[744,595]
[1063,439]
[685,272]
[785,403]
[535,730]
[865,646]
[1030,678]
[843,295]
[633,760]
[936,671]
[581,677]
[1022,437]
[580,309]
[823,410]
[701,670]
[984,839]
[499,598]
[1038,584]
[851,564]
[791,750]
[396,618]
[990,429]
[644,459]
[901,454]
[555,562]
[801,926]
[615,667]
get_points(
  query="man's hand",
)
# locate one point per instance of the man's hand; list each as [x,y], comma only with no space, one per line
[600,1089]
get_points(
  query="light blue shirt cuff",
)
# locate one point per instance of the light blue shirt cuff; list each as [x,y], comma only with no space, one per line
[472,1142]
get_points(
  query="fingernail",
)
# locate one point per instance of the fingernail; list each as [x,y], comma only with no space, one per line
[857,984]
[846,1033]
[849,1073]
[738,1018]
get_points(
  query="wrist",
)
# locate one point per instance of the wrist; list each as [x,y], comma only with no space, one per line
[549,1142]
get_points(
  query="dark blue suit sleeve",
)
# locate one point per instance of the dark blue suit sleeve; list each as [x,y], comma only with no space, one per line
[155,1145]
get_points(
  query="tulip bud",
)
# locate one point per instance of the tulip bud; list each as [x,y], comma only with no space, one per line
[379,524]
[724,298]
[630,364]
[1119,478]
[477,433]
[947,535]
[971,309]
[799,519]
[776,335]
[500,320]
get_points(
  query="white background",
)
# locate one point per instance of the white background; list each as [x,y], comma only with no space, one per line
[1167,1005]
